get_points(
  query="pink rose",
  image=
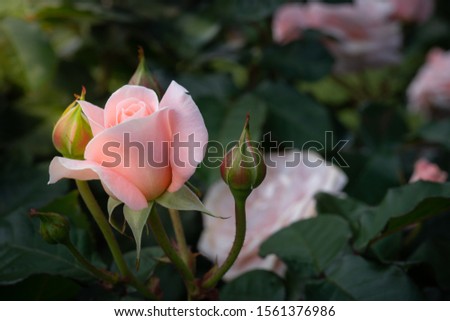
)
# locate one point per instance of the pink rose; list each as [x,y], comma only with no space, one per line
[431,86]
[134,151]
[285,196]
[413,10]
[362,35]
[426,171]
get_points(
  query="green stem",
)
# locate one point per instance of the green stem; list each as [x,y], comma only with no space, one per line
[237,244]
[179,235]
[164,242]
[105,228]
[83,261]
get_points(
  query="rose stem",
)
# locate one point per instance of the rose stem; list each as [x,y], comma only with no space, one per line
[95,271]
[239,200]
[179,235]
[99,217]
[164,242]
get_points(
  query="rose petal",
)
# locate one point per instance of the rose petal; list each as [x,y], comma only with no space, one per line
[143,94]
[119,186]
[188,128]
[137,149]
[94,114]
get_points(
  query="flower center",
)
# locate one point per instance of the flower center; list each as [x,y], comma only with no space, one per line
[131,108]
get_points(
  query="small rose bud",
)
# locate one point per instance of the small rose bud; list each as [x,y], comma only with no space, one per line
[54,227]
[142,76]
[72,132]
[243,167]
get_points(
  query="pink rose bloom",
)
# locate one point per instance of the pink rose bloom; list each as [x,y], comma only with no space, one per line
[133,152]
[413,10]
[426,171]
[431,86]
[285,196]
[362,35]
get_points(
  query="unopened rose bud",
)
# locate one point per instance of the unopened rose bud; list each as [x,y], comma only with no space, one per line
[142,76]
[72,132]
[243,167]
[54,227]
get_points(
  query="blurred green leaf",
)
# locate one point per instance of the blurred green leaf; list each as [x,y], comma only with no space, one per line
[309,245]
[294,117]
[234,121]
[306,59]
[372,175]
[148,261]
[353,278]
[33,51]
[437,132]
[249,10]
[44,287]
[436,253]
[22,251]
[382,126]
[256,285]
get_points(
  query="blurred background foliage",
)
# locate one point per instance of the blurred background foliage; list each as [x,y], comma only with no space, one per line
[223,53]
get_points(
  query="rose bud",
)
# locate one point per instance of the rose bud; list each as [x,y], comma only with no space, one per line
[243,167]
[54,227]
[142,76]
[72,132]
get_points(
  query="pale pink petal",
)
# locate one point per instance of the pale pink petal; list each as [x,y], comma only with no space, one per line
[143,94]
[188,128]
[119,186]
[137,149]
[94,114]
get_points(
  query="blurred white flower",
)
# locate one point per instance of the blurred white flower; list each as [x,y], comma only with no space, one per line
[431,86]
[361,35]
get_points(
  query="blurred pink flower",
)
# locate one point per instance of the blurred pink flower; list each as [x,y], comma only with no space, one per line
[285,196]
[362,35]
[413,10]
[431,86]
[426,171]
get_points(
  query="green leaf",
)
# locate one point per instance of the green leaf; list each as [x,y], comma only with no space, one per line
[22,251]
[346,207]
[435,253]
[353,278]
[376,174]
[401,207]
[33,51]
[184,200]
[309,245]
[305,59]
[437,132]
[256,285]
[148,260]
[382,126]
[44,288]
[235,119]
[112,204]
[137,220]
[294,116]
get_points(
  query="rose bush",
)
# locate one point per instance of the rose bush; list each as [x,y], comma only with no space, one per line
[431,86]
[361,35]
[285,196]
[135,151]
